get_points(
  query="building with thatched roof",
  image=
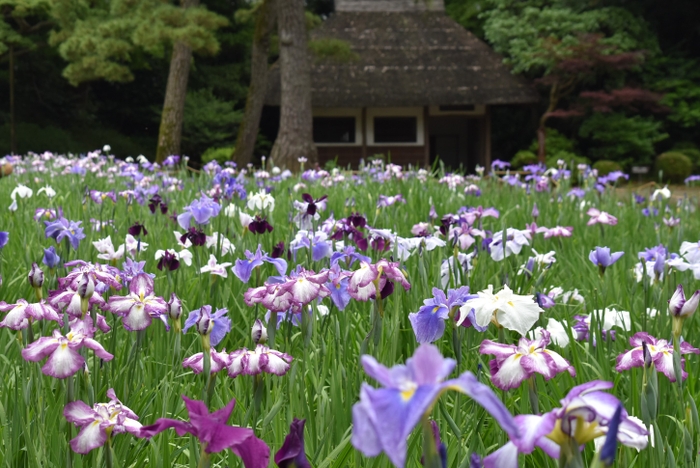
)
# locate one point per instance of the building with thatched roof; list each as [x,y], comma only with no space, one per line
[419,87]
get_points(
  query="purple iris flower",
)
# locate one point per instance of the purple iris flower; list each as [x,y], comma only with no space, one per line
[602,258]
[219,323]
[576,192]
[213,433]
[51,258]
[201,211]
[243,269]
[4,238]
[650,212]
[63,228]
[385,417]
[316,242]
[291,454]
[639,199]
[131,268]
[429,322]
[312,206]
[338,285]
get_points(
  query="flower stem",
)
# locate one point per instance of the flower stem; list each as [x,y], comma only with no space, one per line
[532,393]
[431,458]
[204,458]
[109,459]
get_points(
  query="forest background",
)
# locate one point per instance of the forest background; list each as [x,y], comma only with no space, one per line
[88,74]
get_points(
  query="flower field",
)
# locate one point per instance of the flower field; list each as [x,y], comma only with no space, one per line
[166,317]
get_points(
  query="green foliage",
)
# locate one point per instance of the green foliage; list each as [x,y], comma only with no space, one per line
[605,167]
[334,49]
[104,41]
[221,155]
[522,30]
[209,122]
[22,18]
[621,138]
[679,79]
[689,149]
[466,13]
[675,167]
[523,158]
[35,138]
[555,142]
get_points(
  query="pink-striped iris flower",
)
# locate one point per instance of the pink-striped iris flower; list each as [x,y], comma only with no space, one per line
[62,351]
[513,364]
[101,421]
[139,308]
[252,362]
[660,351]
[18,314]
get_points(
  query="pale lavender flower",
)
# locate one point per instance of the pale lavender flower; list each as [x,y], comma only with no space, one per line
[63,228]
[429,322]
[600,217]
[385,201]
[196,361]
[201,211]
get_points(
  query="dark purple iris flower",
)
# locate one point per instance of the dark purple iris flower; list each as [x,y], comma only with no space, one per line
[291,454]
[169,261]
[312,205]
[137,229]
[260,225]
[277,250]
[157,202]
[194,235]
[4,238]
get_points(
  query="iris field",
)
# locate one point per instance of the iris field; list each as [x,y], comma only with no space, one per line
[381,317]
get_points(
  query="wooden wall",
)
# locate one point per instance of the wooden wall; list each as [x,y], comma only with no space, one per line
[389,5]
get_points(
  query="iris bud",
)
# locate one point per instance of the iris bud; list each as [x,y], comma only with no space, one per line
[36,276]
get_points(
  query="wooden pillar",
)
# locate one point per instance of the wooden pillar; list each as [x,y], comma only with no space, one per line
[363,124]
[426,137]
[487,137]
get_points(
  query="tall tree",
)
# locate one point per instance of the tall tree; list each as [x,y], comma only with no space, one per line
[295,136]
[265,22]
[24,20]
[567,46]
[107,40]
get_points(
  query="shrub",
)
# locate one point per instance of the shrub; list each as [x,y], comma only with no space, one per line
[690,150]
[219,154]
[674,167]
[605,167]
[523,158]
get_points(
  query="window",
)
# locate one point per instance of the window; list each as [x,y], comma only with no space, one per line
[334,129]
[395,129]
[458,108]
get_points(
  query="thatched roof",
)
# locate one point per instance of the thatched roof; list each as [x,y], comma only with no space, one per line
[389,5]
[408,58]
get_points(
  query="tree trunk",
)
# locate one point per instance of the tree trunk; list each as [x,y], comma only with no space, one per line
[295,137]
[170,133]
[554,97]
[248,130]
